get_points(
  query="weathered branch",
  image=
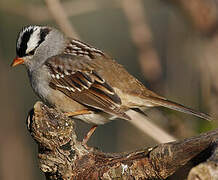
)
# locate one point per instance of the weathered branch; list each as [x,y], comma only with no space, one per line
[61,156]
[208,169]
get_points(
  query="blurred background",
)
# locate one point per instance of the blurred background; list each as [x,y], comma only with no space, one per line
[171,46]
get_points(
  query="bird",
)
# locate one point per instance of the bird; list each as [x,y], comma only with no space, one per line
[81,80]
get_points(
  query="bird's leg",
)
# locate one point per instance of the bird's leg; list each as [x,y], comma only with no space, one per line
[89,134]
[79,112]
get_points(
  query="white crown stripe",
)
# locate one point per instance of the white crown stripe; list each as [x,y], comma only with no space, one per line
[34,40]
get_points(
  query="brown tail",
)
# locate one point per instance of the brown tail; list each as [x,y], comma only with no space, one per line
[178,107]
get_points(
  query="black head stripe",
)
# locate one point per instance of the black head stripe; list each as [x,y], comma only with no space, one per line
[43,33]
[21,48]
[24,37]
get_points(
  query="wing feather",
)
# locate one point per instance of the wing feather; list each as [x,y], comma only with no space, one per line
[77,78]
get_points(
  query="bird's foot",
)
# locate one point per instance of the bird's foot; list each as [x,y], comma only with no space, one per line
[79,112]
[88,135]
[91,131]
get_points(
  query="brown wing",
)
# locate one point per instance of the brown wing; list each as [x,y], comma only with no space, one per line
[76,77]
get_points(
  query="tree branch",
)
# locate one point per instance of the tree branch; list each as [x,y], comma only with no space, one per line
[61,156]
[208,169]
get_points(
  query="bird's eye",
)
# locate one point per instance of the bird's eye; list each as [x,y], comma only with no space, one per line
[31,52]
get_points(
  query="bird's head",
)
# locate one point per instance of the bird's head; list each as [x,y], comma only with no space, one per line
[37,43]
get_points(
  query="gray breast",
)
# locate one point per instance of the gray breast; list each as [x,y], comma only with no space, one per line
[39,79]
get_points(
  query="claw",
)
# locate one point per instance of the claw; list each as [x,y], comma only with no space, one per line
[89,134]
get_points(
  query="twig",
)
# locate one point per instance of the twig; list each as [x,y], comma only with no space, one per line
[60,17]
[62,157]
[142,38]
[146,126]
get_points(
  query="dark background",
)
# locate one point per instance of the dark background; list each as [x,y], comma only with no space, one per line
[160,43]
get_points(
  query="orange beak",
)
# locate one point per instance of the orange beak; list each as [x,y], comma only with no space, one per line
[17,61]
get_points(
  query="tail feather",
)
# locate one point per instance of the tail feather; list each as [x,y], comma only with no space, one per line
[178,107]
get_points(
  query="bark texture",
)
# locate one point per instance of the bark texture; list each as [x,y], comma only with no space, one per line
[62,157]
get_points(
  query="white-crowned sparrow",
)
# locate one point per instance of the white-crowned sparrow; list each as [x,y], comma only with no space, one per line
[81,80]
